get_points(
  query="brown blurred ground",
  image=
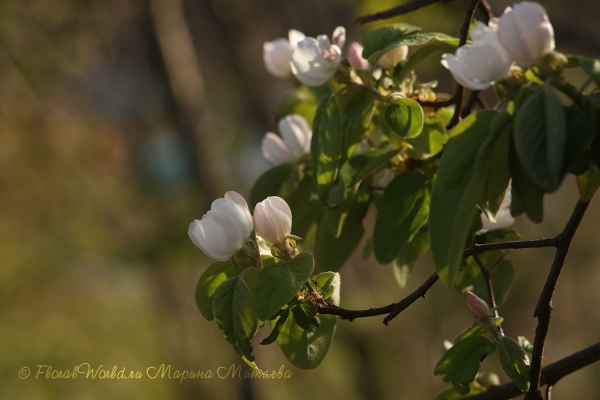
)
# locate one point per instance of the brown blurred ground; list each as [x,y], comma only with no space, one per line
[107,152]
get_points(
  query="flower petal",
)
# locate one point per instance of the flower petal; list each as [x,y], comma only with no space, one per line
[275,150]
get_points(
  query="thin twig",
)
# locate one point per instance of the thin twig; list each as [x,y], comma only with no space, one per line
[486,11]
[487,278]
[394,12]
[460,90]
[548,392]
[437,104]
[544,305]
[551,374]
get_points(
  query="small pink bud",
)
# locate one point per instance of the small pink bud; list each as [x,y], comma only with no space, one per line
[477,306]
[355,56]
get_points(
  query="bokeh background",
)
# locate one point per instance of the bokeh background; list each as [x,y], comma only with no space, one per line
[121,120]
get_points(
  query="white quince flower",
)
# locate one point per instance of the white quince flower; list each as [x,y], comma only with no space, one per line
[393,57]
[295,144]
[223,230]
[278,53]
[273,219]
[526,32]
[315,61]
[478,65]
[503,217]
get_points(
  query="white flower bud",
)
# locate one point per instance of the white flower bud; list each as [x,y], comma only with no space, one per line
[477,306]
[295,144]
[478,65]
[315,61]
[393,57]
[503,218]
[526,33]
[355,58]
[223,230]
[278,54]
[273,219]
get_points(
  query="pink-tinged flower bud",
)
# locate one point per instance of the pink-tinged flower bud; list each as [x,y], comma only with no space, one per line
[223,230]
[526,33]
[278,54]
[393,57]
[477,306]
[355,58]
[315,61]
[295,144]
[273,219]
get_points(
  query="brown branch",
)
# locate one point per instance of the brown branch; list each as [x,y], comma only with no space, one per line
[396,11]
[487,278]
[438,104]
[544,306]
[551,374]
[486,11]
[460,90]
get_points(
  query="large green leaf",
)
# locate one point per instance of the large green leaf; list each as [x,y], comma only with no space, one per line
[330,252]
[514,361]
[208,283]
[365,164]
[278,181]
[458,187]
[381,40]
[581,132]
[405,118]
[305,209]
[498,178]
[592,68]
[306,349]
[408,256]
[403,209]
[461,362]
[326,146]
[539,135]
[232,305]
[357,105]
[526,196]
[279,283]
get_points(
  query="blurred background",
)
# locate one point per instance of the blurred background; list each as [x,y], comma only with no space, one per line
[120,121]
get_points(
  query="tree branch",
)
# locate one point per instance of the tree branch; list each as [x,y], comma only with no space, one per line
[544,305]
[394,12]
[551,374]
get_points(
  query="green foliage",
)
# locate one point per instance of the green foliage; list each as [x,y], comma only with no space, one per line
[404,117]
[378,42]
[304,348]
[461,362]
[302,102]
[357,106]
[408,256]
[457,188]
[326,146]
[208,283]
[591,68]
[403,209]
[514,361]
[588,182]
[279,283]
[278,181]
[232,305]
[434,48]
[364,165]
[540,132]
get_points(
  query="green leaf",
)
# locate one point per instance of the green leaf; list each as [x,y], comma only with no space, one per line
[539,134]
[588,183]
[404,208]
[278,181]
[461,362]
[526,196]
[276,329]
[330,252]
[580,134]
[525,344]
[381,40]
[426,51]
[476,329]
[365,164]
[232,305]
[357,106]
[408,256]
[303,318]
[302,102]
[326,146]
[496,182]
[404,118]
[464,165]
[208,283]
[433,136]
[305,209]
[451,394]
[279,283]
[514,361]
[591,68]
[307,349]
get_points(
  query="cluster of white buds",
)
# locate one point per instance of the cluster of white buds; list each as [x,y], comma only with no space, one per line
[226,228]
[522,35]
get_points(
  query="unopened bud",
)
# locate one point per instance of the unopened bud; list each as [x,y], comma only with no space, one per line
[477,306]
